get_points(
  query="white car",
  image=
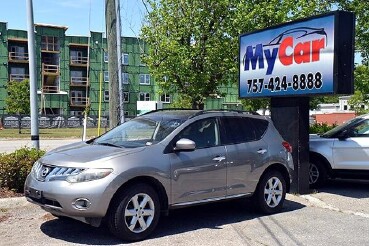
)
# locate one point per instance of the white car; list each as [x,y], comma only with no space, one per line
[342,152]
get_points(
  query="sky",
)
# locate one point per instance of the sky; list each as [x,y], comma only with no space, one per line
[75,14]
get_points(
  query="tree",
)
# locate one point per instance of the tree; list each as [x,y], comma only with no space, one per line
[17,101]
[190,47]
[194,43]
[361,96]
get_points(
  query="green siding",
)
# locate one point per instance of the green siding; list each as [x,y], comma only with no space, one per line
[97,46]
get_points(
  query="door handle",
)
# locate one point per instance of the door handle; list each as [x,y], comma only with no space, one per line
[262,151]
[219,158]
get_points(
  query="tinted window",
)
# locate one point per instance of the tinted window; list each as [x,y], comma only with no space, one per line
[260,126]
[242,129]
[203,132]
[360,129]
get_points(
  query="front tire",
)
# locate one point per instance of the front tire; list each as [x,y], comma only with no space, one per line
[135,213]
[271,192]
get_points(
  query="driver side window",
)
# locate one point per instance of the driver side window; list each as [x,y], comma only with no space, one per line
[360,130]
[203,132]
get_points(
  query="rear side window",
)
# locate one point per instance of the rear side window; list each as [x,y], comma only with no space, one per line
[260,126]
[242,129]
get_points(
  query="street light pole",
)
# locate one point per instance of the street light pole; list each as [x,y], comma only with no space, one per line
[32,76]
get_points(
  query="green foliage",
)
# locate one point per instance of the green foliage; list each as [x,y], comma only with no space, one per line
[191,50]
[183,101]
[255,104]
[14,167]
[361,10]
[18,100]
[194,43]
[321,128]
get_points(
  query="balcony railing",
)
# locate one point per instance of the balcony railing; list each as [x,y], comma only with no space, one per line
[78,60]
[53,69]
[79,81]
[18,57]
[50,89]
[18,77]
[79,101]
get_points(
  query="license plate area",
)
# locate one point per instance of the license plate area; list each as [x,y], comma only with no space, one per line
[34,193]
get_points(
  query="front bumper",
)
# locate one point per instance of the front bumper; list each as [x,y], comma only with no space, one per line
[63,198]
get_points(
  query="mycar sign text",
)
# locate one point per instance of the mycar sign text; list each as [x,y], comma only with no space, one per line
[312,56]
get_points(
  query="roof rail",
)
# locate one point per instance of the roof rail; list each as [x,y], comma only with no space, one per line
[204,111]
[166,109]
[225,110]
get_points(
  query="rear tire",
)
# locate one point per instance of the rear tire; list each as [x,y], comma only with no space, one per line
[317,173]
[271,192]
[135,213]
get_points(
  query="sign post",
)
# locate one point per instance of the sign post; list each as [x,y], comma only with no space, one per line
[290,63]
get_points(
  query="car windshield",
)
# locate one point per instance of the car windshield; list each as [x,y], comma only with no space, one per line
[334,131]
[138,132]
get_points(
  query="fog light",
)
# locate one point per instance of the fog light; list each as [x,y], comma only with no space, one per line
[81,203]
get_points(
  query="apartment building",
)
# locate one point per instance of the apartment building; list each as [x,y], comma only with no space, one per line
[70,69]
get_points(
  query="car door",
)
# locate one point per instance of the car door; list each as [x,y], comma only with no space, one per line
[246,151]
[353,152]
[199,174]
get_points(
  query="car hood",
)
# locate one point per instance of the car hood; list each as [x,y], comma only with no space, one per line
[314,136]
[82,154]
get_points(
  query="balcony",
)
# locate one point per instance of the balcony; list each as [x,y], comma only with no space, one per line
[80,61]
[50,69]
[18,77]
[79,101]
[18,57]
[50,89]
[79,81]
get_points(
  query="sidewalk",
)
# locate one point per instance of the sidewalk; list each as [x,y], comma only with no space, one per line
[10,145]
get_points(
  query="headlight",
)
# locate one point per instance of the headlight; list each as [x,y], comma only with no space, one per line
[36,168]
[89,175]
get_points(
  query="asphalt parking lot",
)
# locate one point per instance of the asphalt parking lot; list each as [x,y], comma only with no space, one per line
[335,215]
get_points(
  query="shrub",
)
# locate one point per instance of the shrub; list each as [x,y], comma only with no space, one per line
[14,167]
[321,128]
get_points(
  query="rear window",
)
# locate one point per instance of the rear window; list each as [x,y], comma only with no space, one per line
[242,129]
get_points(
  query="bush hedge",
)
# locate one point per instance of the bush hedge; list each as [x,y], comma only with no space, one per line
[14,167]
[321,128]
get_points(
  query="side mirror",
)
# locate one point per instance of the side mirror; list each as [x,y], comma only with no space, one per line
[185,144]
[343,135]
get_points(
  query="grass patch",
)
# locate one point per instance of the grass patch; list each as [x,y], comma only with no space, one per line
[51,133]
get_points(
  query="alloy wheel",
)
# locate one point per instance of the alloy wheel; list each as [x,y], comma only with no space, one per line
[313,174]
[139,212]
[273,192]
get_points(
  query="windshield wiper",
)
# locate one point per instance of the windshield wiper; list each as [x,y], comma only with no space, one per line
[109,144]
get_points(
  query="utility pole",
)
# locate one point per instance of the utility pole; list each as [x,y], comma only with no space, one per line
[111,35]
[121,108]
[32,76]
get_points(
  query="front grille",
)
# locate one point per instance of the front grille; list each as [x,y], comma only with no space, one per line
[44,172]
[45,201]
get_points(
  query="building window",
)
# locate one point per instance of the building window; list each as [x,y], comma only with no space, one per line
[125,78]
[106,56]
[124,58]
[49,43]
[106,76]
[345,107]
[125,97]
[144,79]
[144,96]
[165,98]
[76,113]
[106,96]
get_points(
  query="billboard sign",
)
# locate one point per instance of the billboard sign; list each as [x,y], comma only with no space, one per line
[298,58]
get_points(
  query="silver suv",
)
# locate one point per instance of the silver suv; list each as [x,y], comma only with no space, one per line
[162,160]
[342,152]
